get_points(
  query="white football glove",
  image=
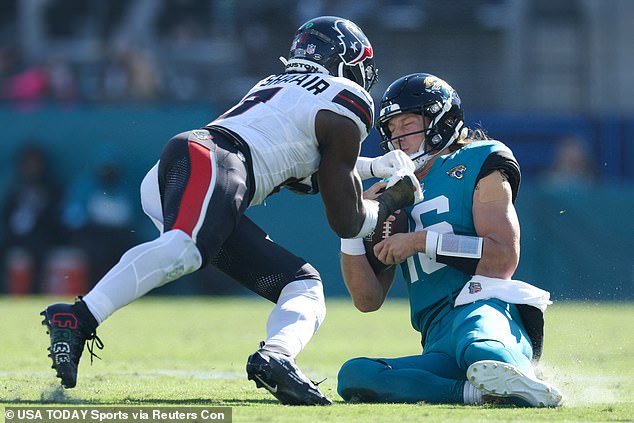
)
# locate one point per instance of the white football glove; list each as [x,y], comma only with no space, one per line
[401,174]
[384,166]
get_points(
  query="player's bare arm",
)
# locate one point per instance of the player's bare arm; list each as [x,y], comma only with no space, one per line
[496,221]
[398,247]
[339,184]
[368,290]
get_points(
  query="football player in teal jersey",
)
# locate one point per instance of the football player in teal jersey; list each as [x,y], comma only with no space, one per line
[482,332]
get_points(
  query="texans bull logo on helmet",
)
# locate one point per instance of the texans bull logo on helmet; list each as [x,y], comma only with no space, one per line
[359,49]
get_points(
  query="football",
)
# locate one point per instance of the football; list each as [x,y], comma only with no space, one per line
[399,225]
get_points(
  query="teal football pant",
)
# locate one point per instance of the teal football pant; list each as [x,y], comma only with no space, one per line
[484,330]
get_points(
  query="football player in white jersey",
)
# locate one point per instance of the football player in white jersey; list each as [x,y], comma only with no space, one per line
[301,130]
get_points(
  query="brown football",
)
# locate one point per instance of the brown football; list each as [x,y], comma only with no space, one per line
[400,225]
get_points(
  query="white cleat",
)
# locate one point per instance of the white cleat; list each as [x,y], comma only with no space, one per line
[503,380]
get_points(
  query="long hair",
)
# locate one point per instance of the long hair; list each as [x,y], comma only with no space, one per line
[473,135]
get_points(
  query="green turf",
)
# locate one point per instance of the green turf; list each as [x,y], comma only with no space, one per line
[180,351]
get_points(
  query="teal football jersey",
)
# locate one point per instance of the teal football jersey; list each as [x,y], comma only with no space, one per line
[448,189]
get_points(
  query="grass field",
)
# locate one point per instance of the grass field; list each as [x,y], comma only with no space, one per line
[180,351]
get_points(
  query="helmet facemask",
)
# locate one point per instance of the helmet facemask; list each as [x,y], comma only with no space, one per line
[443,131]
[366,76]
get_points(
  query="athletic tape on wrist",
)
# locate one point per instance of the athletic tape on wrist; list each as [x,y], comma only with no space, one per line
[352,246]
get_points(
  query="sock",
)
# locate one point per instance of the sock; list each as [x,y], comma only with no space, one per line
[296,317]
[471,394]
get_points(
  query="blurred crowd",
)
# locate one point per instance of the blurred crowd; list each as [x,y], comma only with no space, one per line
[209,50]
[61,240]
[117,50]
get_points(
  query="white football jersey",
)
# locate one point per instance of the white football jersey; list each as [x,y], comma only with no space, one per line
[277,120]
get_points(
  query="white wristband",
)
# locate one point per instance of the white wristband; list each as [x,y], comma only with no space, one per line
[352,246]
[431,244]
[371,209]
[364,167]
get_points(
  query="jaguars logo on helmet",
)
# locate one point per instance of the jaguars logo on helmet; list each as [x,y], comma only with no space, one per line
[437,86]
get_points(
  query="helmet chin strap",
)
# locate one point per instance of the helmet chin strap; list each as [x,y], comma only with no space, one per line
[420,160]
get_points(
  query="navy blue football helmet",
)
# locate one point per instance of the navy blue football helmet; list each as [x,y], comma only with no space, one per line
[429,96]
[335,46]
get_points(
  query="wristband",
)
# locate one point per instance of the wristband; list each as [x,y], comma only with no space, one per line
[431,243]
[371,209]
[352,246]
[364,167]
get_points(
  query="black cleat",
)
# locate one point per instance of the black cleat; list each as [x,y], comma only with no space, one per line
[279,375]
[69,326]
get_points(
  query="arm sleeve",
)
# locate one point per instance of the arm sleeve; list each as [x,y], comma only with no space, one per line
[504,161]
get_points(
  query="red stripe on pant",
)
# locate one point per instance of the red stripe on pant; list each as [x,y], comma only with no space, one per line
[190,209]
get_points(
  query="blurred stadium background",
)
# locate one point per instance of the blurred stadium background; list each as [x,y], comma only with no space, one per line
[96,87]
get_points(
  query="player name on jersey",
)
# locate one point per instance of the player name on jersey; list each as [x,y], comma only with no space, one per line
[311,82]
